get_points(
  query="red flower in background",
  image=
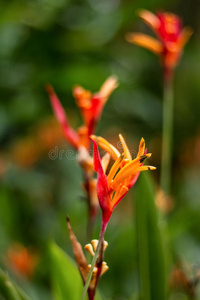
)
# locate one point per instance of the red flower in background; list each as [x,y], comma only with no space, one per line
[90,105]
[172,37]
[123,174]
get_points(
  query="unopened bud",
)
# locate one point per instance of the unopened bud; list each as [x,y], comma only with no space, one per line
[94,244]
[89,248]
[94,270]
[105,245]
[104,268]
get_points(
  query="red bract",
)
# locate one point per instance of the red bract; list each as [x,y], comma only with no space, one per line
[172,37]
[123,174]
[90,105]
[71,135]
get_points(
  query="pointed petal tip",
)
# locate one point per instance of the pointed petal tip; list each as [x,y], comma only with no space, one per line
[68,223]
[185,35]
[108,86]
[93,137]
[140,11]
[129,37]
[49,89]
[152,168]
[149,18]
[89,248]
[145,41]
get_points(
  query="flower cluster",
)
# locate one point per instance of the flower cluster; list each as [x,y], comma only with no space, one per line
[22,260]
[91,106]
[172,37]
[123,174]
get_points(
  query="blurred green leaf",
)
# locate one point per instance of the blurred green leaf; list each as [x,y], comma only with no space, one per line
[10,290]
[66,280]
[150,248]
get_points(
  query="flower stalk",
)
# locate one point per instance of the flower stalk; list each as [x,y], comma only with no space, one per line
[112,188]
[91,107]
[94,260]
[167,137]
[169,45]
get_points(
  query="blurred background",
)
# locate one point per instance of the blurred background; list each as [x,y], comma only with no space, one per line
[68,42]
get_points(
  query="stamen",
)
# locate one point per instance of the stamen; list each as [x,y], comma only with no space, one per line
[89,248]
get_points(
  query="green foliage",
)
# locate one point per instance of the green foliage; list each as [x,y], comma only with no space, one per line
[9,290]
[65,276]
[68,42]
[150,249]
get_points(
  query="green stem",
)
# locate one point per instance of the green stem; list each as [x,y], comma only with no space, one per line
[87,283]
[166,162]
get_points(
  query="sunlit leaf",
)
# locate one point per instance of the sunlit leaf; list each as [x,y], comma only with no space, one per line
[66,280]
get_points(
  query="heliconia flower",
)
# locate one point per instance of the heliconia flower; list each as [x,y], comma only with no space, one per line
[90,105]
[123,174]
[100,266]
[22,260]
[172,37]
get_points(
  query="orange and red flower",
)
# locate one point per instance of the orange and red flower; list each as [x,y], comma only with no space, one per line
[123,174]
[172,37]
[90,105]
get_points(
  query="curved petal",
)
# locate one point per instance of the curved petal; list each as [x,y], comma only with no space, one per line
[106,146]
[184,36]
[149,18]
[119,196]
[145,41]
[129,169]
[125,147]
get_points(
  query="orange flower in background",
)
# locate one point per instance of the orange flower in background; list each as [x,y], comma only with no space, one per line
[172,37]
[90,105]
[22,260]
[123,174]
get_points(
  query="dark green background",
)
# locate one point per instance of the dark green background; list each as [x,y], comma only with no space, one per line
[82,42]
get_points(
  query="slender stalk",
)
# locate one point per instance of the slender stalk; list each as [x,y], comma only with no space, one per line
[92,208]
[87,283]
[166,162]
